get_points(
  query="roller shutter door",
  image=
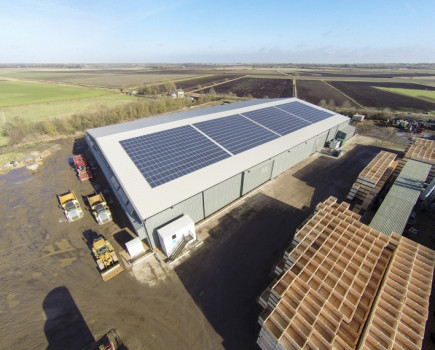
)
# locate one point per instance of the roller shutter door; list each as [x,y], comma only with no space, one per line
[331,133]
[220,195]
[282,162]
[256,176]
[320,142]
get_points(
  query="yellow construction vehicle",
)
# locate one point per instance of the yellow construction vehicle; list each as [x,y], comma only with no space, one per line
[106,258]
[71,206]
[99,208]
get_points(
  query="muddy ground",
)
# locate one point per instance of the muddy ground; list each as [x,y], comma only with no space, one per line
[52,296]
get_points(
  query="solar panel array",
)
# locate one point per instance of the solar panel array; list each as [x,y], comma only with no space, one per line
[277,120]
[236,133]
[167,155]
[301,110]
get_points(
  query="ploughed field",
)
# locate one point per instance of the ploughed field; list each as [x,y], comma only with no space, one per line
[315,91]
[362,74]
[256,87]
[198,83]
[368,95]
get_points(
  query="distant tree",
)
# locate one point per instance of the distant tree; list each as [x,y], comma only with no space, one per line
[169,86]
[146,90]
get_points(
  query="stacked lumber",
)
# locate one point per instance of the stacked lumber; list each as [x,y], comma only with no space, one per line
[401,309]
[327,296]
[372,179]
[421,150]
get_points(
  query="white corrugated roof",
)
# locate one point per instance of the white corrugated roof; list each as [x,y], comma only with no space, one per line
[148,201]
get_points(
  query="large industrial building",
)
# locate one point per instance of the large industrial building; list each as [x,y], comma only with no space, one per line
[197,162]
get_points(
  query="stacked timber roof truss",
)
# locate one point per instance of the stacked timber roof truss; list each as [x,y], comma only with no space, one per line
[347,286]
[372,179]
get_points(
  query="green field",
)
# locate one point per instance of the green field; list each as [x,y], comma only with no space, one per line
[98,78]
[16,93]
[35,101]
[60,109]
[426,95]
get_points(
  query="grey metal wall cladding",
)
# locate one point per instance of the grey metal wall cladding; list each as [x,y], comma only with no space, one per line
[218,196]
[295,155]
[142,234]
[331,134]
[115,182]
[309,147]
[343,125]
[303,150]
[256,176]
[320,141]
[282,162]
[122,195]
[192,206]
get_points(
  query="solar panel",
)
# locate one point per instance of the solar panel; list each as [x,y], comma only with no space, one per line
[277,120]
[304,111]
[236,133]
[167,155]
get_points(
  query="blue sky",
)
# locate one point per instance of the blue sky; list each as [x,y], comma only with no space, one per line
[48,31]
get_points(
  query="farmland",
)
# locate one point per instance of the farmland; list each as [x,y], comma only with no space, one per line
[315,91]
[37,93]
[368,95]
[107,78]
[257,88]
[197,83]
[13,93]
[60,109]
[428,95]
[36,101]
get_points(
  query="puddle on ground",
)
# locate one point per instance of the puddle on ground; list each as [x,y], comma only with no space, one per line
[16,177]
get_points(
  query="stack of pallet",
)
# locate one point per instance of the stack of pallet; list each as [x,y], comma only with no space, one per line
[372,179]
[328,296]
[421,150]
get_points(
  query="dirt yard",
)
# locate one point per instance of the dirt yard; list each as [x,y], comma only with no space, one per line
[52,296]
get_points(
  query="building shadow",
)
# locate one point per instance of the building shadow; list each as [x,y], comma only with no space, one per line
[79,146]
[235,265]
[65,327]
[123,237]
[335,177]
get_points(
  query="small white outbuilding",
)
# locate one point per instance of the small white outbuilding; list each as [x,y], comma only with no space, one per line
[135,247]
[176,234]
